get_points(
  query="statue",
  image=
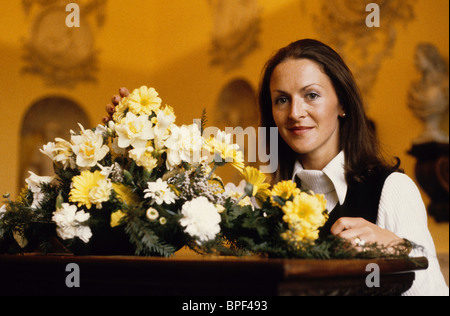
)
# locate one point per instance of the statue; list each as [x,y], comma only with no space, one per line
[428,98]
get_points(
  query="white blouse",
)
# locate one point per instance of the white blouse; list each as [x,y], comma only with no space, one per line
[401,211]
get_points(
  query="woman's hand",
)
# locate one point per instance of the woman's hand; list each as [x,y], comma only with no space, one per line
[111,108]
[360,232]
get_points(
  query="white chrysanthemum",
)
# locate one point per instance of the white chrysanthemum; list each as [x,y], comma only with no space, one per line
[159,192]
[100,193]
[88,147]
[71,224]
[34,183]
[184,144]
[134,130]
[201,219]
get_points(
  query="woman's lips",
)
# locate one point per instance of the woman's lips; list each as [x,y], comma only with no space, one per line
[300,130]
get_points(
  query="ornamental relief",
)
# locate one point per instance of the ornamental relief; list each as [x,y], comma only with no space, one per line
[236,31]
[342,25]
[62,55]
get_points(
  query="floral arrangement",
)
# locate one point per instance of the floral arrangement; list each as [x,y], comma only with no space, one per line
[143,185]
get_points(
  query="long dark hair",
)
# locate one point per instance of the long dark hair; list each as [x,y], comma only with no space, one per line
[357,137]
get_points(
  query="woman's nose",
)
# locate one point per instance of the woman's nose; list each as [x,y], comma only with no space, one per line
[297,109]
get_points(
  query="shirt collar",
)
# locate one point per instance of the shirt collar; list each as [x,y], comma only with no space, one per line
[334,171]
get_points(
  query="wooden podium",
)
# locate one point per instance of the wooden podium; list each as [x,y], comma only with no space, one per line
[202,276]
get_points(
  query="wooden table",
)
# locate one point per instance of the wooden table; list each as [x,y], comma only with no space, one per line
[210,276]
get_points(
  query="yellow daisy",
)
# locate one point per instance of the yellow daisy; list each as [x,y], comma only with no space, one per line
[304,216]
[284,190]
[144,101]
[256,185]
[82,187]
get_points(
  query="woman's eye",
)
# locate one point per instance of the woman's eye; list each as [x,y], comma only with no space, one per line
[281,100]
[312,96]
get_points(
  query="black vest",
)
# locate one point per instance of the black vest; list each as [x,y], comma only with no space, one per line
[362,200]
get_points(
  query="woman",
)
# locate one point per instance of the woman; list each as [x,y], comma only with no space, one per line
[328,145]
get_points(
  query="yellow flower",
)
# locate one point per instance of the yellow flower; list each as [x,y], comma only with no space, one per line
[284,190]
[256,185]
[144,157]
[83,186]
[116,217]
[304,216]
[226,151]
[143,101]
[125,194]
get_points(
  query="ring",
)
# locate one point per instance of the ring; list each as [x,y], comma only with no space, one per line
[360,242]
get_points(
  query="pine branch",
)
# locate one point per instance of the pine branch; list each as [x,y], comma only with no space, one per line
[145,240]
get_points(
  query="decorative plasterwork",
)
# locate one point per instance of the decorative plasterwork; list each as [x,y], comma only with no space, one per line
[62,55]
[342,24]
[236,30]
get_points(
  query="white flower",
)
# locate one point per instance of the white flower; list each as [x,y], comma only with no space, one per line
[60,152]
[143,156]
[3,211]
[88,147]
[163,127]
[49,150]
[160,192]
[115,171]
[101,129]
[201,219]
[184,144]
[152,213]
[34,183]
[71,224]
[100,193]
[134,130]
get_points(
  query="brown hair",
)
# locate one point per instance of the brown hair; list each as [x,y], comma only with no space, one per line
[357,133]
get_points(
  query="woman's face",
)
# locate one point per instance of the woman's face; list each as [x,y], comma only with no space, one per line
[305,108]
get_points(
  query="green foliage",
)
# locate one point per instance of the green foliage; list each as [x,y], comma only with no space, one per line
[145,240]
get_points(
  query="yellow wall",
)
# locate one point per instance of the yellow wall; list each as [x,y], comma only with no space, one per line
[165,44]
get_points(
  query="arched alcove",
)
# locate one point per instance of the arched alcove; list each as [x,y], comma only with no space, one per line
[236,111]
[236,105]
[45,120]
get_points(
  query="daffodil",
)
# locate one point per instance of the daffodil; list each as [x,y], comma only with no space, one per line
[89,188]
[88,148]
[134,130]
